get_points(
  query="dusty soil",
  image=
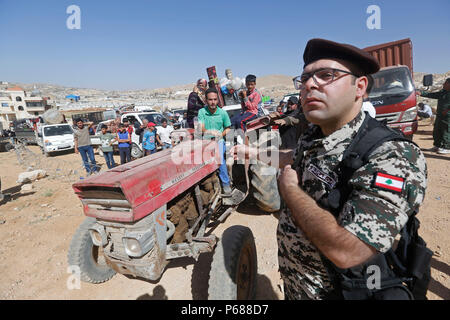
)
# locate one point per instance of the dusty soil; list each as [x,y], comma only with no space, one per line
[36,228]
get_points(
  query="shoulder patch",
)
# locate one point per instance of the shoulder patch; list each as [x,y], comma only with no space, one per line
[386,181]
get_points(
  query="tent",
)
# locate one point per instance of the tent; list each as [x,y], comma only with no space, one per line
[73,97]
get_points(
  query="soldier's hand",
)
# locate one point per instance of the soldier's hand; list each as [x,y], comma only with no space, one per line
[280,122]
[287,181]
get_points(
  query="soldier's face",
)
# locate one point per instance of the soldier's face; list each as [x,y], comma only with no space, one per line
[331,103]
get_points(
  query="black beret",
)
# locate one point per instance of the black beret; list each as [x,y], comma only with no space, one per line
[293,99]
[317,49]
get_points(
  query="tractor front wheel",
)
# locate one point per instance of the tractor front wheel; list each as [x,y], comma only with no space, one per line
[87,256]
[234,266]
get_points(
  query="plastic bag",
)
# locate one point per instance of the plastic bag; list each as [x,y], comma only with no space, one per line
[53,116]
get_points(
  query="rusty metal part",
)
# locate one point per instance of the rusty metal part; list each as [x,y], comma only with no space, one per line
[225,214]
[192,249]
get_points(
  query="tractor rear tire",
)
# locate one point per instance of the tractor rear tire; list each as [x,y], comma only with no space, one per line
[88,257]
[234,266]
[265,187]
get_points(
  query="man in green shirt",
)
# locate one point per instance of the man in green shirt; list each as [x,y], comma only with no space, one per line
[215,123]
[107,139]
[441,130]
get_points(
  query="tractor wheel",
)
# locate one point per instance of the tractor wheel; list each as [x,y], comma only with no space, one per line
[234,266]
[88,257]
[136,152]
[265,187]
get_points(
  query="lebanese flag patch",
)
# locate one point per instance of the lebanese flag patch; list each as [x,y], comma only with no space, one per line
[386,181]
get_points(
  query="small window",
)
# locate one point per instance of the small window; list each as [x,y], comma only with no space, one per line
[20,108]
[18,99]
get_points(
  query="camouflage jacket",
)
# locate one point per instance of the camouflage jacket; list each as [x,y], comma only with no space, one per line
[374,215]
[443,107]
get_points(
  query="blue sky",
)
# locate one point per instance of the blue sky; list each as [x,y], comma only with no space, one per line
[153,44]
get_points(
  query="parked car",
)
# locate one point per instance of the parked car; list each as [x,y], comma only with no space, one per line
[55,137]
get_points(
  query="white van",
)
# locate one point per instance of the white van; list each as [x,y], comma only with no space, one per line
[55,137]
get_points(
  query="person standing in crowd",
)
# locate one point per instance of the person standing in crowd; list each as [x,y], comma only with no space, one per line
[196,101]
[441,130]
[335,226]
[184,121]
[424,111]
[83,145]
[141,130]
[114,124]
[124,140]
[150,139]
[280,109]
[164,134]
[129,128]
[107,139]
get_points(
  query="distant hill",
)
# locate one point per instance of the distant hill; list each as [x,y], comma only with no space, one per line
[275,86]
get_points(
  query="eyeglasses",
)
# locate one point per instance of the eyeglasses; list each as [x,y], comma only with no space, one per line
[321,77]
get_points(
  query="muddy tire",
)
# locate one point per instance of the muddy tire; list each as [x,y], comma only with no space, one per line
[136,152]
[88,257]
[234,266]
[264,187]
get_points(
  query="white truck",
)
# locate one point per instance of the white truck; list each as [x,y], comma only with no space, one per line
[54,138]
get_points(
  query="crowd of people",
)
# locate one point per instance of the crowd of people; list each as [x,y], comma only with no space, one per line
[151,140]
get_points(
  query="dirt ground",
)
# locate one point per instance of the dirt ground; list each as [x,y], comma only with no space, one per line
[36,228]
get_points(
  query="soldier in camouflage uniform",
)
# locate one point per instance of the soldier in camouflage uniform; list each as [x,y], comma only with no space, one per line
[309,237]
[441,130]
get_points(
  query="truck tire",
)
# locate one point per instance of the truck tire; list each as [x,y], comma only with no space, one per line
[264,187]
[88,257]
[234,266]
[136,152]
[9,147]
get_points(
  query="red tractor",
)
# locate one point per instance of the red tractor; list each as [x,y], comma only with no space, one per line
[161,207]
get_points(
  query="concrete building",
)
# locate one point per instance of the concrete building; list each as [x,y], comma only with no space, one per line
[16,104]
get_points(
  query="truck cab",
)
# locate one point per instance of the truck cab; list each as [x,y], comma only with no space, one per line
[55,137]
[393,96]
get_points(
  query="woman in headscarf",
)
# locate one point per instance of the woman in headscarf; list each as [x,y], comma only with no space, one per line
[196,101]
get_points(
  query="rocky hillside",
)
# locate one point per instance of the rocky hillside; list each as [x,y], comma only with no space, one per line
[275,86]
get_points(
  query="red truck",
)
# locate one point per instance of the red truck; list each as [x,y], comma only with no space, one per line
[393,93]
